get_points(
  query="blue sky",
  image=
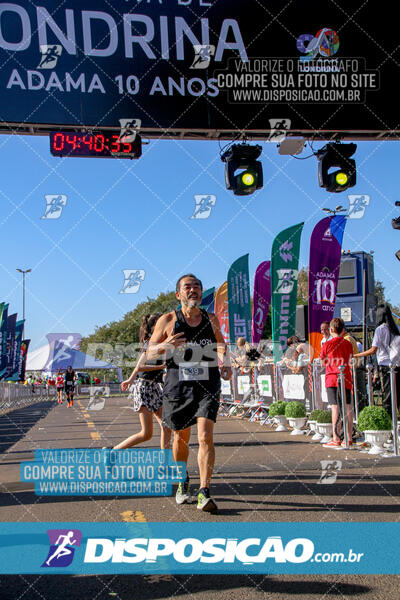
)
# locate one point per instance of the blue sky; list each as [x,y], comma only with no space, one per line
[123,214]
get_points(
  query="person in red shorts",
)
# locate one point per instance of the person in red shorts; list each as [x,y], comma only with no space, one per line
[337,352]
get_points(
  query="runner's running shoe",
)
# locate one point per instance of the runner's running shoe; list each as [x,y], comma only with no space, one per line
[205,502]
[183,492]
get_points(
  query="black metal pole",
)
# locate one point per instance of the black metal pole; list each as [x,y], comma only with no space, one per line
[365,309]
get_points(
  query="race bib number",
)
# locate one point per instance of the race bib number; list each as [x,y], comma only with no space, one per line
[193,371]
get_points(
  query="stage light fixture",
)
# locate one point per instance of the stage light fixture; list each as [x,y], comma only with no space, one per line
[337,155]
[243,156]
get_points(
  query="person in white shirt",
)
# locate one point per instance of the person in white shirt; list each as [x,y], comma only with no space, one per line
[326,334]
[384,334]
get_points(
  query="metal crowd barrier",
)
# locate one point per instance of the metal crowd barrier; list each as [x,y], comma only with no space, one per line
[16,395]
[296,385]
[248,394]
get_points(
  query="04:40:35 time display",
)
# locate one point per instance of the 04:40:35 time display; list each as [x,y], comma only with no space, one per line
[92,142]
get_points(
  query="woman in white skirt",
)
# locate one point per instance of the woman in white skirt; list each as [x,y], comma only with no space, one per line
[146,380]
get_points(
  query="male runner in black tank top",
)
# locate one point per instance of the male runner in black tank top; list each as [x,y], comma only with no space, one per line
[193,343]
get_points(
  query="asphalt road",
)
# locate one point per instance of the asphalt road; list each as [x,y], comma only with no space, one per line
[260,475]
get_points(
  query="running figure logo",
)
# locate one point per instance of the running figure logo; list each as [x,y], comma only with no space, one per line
[97,400]
[358,205]
[61,552]
[129,129]
[54,206]
[132,280]
[203,205]
[50,56]
[330,469]
[286,280]
[279,128]
[202,55]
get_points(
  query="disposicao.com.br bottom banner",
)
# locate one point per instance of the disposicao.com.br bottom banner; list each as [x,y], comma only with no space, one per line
[148,548]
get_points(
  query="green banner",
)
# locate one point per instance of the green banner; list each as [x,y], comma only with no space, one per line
[239,307]
[284,273]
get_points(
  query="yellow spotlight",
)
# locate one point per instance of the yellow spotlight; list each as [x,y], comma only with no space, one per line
[248,178]
[342,178]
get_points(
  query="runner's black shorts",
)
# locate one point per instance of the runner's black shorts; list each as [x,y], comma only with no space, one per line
[193,402]
[69,389]
[333,394]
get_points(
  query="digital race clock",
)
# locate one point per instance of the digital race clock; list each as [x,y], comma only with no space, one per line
[102,144]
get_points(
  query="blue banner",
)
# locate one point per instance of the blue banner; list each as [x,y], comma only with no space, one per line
[3,338]
[13,374]
[191,548]
[207,300]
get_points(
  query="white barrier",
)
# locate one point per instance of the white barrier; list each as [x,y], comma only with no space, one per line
[16,395]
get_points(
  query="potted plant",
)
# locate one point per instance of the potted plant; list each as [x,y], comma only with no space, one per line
[277,411]
[376,424]
[324,425]
[295,412]
[312,421]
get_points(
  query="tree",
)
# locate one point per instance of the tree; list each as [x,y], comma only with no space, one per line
[302,286]
[379,292]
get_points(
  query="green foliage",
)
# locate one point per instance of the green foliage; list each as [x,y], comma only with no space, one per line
[277,408]
[314,414]
[295,410]
[302,286]
[324,416]
[267,332]
[374,418]
[379,292]
[118,342]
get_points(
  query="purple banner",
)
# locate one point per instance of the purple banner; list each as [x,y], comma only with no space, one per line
[11,324]
[22,359]
[325,253]
[261,300]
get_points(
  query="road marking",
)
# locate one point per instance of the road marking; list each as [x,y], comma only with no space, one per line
[86,415]
[95,435]
[130,516]
[90,424]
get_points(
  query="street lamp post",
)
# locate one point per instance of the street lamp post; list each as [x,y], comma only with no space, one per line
[23,295]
